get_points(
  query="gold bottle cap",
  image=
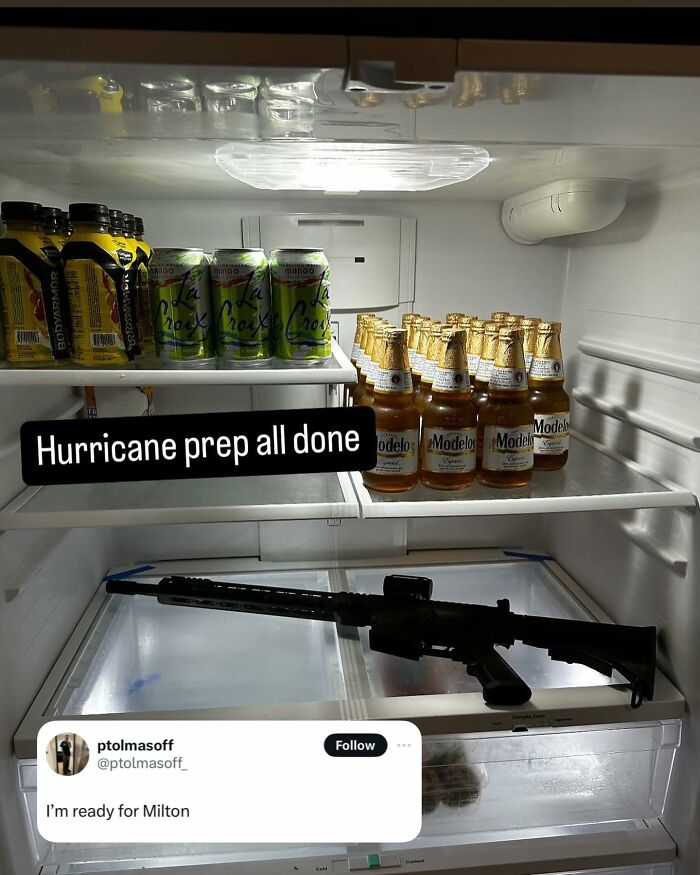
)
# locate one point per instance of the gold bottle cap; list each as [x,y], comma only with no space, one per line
[377,355]
[508,372]
[453,318]
[476,339]
[451,370]
[547,363]
[488,351]
[451,350]
[367,346]
[498,315]
[530,320]
[406,320]
[513,319]
[394,374]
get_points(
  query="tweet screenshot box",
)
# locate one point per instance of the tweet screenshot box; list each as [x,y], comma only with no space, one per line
[243,781]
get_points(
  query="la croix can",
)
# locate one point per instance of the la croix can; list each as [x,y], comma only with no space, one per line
[300,280]
[240,285]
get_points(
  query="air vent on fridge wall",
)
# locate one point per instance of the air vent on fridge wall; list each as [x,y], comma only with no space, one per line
[570,206]
[372,258]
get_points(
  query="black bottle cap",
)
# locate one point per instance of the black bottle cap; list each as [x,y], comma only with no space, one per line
[138,222]
[129,223]
[116,220]
[21,211]
[98,213]
[52,217]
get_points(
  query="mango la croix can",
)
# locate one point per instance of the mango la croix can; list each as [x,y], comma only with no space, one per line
[301,305]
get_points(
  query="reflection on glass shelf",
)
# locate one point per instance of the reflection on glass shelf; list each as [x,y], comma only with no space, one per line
[591,480]
[143,656]
[214,499]
[531,588]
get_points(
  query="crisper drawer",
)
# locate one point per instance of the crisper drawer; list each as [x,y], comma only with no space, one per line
[500,781]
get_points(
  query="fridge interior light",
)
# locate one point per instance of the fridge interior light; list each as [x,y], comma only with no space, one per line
[350,167]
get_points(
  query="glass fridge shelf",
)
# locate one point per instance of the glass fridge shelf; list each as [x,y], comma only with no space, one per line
[130,655]
[214,499]
[594,478]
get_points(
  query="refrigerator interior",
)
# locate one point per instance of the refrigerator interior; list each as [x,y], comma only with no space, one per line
[137,657]
[626,296]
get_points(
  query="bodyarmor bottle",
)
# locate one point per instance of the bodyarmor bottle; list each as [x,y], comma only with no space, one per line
[506,421]
[448,440]
[549,400]
[397,421]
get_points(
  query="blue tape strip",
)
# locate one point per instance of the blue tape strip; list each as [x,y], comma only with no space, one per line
[122,575]
[535,557]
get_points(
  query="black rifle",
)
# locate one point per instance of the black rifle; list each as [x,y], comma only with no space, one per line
[405,622]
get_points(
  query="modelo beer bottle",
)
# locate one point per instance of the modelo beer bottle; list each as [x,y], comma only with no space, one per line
[412,339]
[397,420]
[366,338]
[448,441]
[422,396]
[549,400]
[486,360]
[529,326]
[506,421]
[419,357]
[374,365]
[474,347]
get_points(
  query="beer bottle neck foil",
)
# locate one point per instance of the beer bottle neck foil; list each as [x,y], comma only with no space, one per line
[547,363]
[451,370]
[394,375]
[508,373]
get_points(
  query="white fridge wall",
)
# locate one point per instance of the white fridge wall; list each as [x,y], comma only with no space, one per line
[635,285]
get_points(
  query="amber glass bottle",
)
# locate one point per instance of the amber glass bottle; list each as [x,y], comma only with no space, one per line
[506,421]
[397,420]
[421,352]
[350,387]
[363,360]
[376,358]
[549,400]
[476,340]
[529,326]
[412,337]
[422,396]
[486,360]
[448,439]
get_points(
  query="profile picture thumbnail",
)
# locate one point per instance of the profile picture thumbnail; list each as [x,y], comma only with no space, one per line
[68,753]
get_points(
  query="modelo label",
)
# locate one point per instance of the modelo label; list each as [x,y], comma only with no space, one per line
[508,378]
[483,374]
[397,452]
[449,451]
[551,433]
[392,381]
[418,362]
[446,380]
[508,449]
[473,359]
[547,369]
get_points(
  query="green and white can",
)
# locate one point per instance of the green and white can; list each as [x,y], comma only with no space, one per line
[182,312]
[301,309]
[240,285]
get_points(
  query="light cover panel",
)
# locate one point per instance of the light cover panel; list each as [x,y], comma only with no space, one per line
[313,165]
